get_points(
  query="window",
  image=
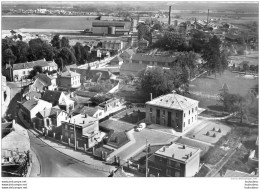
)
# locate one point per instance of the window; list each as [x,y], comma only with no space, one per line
[183,124]
[23,72]
[163,112]
[66,134]
[184,115]
[192,119]
[72,136]
[189,112]
[66,126]
[100,113]
[177,174]
[192,110]
[178,165]
[168,172]
[177,114]
[151,110]
[71,128]
[189,121]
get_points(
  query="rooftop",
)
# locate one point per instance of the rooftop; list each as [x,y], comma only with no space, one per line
[69,74]
[108,23]
[150,58]
[82,120]
[45,78]
[127,68]
[178,152]
[51,96]
[27,65]
[172,101]
[117,59]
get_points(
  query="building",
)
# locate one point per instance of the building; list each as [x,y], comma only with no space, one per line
[176,160]
[58,98]
[96,112]
[172,110]
[50,118]
[127,69]
[163,61]
[22,70]
[116,61]
[31,107]
[68,68]
[68,80]
[109,27]
[127,55]
[47,80]
[86,129]
[112,45]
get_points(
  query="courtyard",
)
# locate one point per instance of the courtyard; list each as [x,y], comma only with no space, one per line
[131,115]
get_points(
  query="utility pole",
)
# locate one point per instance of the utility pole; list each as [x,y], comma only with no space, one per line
[75,139]
[21,89]
[146,163]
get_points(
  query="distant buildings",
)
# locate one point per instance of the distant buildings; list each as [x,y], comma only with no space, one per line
[110,27]
[116,61]
[22,70]
[176,160]
[112,45]
[172,110]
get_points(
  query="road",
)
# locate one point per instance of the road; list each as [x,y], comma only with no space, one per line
[56,164]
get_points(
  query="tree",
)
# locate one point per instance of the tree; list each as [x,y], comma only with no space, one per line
[198,41]
[40,49]
[34,72]
[56,42]
[67,56]
[20,37]
[8,57]
[158,26]
[65,42]
[81,53]
[20,50]
[143,30]
[245,66]
[229,101]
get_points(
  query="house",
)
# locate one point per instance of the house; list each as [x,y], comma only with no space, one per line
[116,61]
[86,129]
[68,80]
[22,70]
[133,68]
[112,44]
[96,112]
[47,80]
[31,107]
[58,98]
[50,118]
[172,110]
[110,105]
[176,160]
[127,54]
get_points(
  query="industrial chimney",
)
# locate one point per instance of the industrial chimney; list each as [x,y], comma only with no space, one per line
[208,17]
[170,12]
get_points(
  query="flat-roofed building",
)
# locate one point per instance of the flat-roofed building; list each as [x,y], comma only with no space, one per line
[176,160]
[172,110]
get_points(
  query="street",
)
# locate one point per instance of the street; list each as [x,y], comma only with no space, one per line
[56,164]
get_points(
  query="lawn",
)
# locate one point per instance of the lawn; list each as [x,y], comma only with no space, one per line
[132,115]
[117,126]
[206,88]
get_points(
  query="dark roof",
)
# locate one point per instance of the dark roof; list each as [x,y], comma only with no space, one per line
[45,78]
[107,24]
[127,68]
[49,112]
[30,104]
[51,96]
[143,57]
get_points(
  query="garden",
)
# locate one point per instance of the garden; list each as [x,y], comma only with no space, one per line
[131,115]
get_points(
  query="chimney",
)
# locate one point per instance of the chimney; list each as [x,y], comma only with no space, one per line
[208,17]
[183,146]
[187,156]
[164,149]
[151,95]
[83,122]
[170,12]
[172,155]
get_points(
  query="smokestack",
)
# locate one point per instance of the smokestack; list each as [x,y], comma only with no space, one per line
[170,11]
[208,17]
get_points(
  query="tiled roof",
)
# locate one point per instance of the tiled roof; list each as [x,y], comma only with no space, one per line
[230,173]
[38,84]
[69,74]
[51,96]
[177,151]
[143,57]
[30,104]
[28,65]
[45,78]
[107,24]
[127,68]
[49,112]
[78,120]
[172,101]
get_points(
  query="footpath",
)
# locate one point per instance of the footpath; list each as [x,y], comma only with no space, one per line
[77,155]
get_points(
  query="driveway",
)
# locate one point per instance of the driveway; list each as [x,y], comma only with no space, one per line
[153,137]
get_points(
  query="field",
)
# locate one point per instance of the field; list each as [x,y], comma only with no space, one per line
[206,88]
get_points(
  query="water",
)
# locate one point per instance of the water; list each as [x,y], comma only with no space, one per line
[47,22]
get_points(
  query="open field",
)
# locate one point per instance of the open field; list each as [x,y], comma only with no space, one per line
[206,88]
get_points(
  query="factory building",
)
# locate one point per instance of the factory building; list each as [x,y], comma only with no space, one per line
[110,27]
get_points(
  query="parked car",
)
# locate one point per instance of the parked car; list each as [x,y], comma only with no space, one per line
[140,127]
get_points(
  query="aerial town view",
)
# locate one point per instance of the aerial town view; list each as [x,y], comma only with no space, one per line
[129,89]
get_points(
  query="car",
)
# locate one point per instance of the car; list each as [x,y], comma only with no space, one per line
[140,127]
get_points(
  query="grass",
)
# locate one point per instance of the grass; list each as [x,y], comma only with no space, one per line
[206,88]
[117,126]
[131,115]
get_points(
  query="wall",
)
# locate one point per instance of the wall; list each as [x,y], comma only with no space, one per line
[164,121]
[192,167]
[188,116]
[21,73]
[100,30]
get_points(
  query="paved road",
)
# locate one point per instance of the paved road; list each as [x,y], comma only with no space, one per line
[56,164]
